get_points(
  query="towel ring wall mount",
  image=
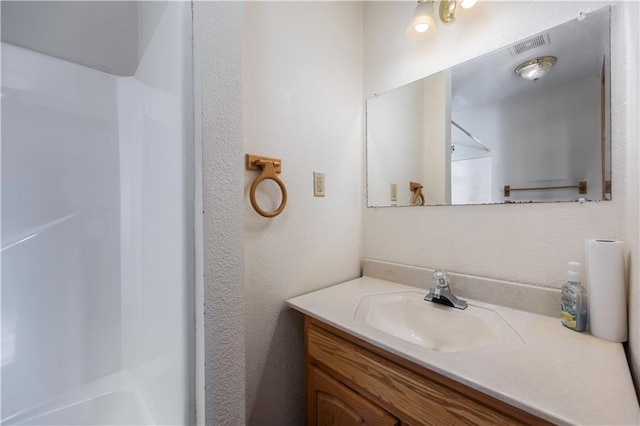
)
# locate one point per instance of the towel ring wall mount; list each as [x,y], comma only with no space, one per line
[269,167]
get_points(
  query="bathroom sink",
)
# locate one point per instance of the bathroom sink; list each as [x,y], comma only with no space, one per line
[436,327]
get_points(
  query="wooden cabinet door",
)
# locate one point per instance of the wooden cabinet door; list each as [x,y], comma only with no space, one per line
[333,404]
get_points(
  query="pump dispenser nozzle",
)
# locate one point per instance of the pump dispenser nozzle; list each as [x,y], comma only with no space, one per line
[573,274]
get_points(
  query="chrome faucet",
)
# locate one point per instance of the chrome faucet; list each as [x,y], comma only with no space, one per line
[441,293]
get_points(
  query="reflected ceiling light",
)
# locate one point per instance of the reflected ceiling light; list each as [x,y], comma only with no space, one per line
[536,68]
[422,25]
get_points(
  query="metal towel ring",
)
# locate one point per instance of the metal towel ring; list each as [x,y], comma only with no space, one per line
[270,167]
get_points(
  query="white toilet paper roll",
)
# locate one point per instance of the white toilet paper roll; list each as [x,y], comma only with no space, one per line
[606,289]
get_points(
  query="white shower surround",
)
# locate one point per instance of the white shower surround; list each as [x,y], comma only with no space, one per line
[106,164]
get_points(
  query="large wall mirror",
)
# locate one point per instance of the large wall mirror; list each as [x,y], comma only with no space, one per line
[481,133]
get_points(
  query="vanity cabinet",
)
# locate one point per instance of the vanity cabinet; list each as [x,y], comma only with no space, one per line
[351,382]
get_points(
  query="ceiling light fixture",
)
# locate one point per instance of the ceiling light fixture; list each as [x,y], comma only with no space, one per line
[448,11]
[422,25]
[536,68]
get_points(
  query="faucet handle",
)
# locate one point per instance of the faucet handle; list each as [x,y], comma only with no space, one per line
[441,278]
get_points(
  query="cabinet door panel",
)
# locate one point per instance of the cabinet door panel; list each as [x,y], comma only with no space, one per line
[334,404]
[397,389]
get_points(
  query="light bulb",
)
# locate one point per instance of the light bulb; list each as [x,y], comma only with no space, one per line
[420,28]
[533,72]
[422,24]
[468,4]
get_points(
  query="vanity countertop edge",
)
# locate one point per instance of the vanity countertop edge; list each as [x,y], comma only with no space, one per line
[556,374]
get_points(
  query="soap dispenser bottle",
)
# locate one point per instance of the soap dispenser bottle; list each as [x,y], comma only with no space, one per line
[574,300]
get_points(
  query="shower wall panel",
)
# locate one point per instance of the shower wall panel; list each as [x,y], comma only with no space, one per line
[98,243]
[61,228]
[156,214]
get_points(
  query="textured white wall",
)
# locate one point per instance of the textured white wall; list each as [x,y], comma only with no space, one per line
[218,91]
[302,103]
[524,243]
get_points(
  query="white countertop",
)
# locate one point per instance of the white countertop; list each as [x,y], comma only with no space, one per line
[555,373]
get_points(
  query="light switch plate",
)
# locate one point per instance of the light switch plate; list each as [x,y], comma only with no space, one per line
[318,184]
[394,192]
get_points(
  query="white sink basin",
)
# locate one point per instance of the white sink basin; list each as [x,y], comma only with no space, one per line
[440,328]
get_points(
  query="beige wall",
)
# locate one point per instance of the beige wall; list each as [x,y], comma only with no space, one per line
[523,243]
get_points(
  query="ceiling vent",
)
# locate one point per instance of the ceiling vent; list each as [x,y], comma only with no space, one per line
[532,43]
